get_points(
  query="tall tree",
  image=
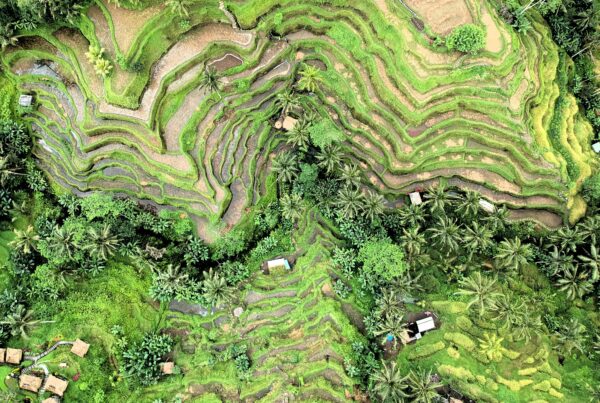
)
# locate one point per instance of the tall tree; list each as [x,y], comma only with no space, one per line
[481,290]
[574,283]
[102,243]
[389,384]
[20,321]
[446,234]
[211,81]
[310,78]
[423,389]
[330,158]
[372,205]
[512,254]
[25,240]
[477,239]
[291,207]
[285,166]
[350,202]
[179,7]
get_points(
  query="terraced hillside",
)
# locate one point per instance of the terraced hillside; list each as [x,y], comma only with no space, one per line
[293,326]
[410,113]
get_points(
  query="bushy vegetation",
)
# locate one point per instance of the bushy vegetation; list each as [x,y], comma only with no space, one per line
[468,38]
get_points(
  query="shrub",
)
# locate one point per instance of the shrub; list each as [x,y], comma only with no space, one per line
[325,133]
[461,340]
[140,360]
[425,350]
[456,373]
[468,38]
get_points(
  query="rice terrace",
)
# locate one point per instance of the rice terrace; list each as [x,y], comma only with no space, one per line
[314,201]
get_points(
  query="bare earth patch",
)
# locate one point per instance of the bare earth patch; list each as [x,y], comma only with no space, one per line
[442,15]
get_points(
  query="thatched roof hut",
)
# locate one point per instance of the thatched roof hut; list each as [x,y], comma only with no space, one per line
[30,383]
[14,355]
[56,385]
[80,348]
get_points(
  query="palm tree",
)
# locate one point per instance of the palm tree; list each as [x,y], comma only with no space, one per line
[412,215]
[102,243]
[469,206]
[389,304]
[590,227]
[481,290]
[167,283]
[310,78]
[513,254]
[350,175]
[285,167]
[568,238]
[330,158]
[392,325]
[413,240]
[477,239]
[446,234]
[299,136]
[592,262]
[507,310]
[350,202]
[491,346]
[372,205]
[215,289]
[574,284]
[555,262]
[529,325]
[25,240]
[422,387]
[389,384]
[497,220]
[6,171]
[287,100]
[570,338]
[20,322]
[178,7]
[211,81]
[291,207]
[62,241]
[437,199]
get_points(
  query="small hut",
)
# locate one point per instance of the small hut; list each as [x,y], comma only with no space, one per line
[14,356]
[30,383]
[25,100]
[56,385]
[596,147]
[2,355]
[167,367]
[80,348]
[289,123]
[487,206]
[415,198]
[52,399]
[273,264]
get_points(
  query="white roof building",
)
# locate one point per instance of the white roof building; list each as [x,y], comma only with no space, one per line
[596,147]
[487,206]
[426,324]
[415,198]
[25,100]
[272,264]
